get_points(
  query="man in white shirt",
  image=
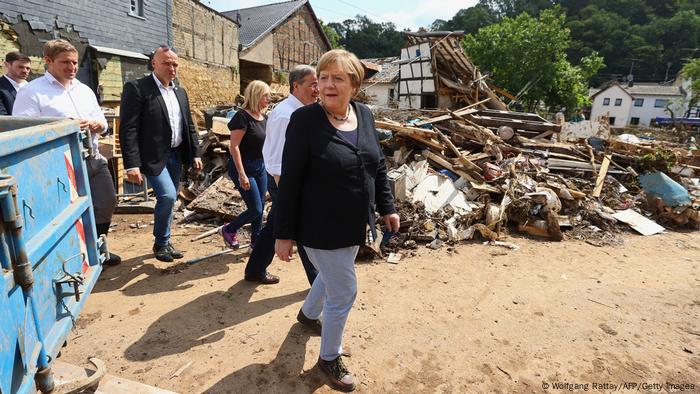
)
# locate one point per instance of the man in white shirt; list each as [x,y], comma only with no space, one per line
[303,86]
[59,94]
[157,136]
[17,66]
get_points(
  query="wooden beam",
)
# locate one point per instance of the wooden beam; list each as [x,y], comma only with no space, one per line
[543,135]
[601,177]
[460,112]
[444,163]
[394,126]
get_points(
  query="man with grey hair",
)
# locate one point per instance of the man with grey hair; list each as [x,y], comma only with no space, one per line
[303,86]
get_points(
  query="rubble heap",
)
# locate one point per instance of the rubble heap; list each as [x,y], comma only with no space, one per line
[481,171]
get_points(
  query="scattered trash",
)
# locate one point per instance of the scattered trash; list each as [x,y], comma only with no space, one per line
[394,258]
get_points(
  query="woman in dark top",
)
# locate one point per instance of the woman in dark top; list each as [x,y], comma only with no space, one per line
[246,167]
[333,177]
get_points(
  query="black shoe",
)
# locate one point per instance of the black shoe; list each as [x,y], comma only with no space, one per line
[314,324]
[113,260]
[340,377]
[163,253]
[267,279]
[174,252]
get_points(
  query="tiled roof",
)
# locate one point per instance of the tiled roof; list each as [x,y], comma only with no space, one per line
[640,89]
[389,71]
[256,22]
[645,89]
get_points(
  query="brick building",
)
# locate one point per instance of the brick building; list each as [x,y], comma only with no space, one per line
[207,43]
[276,37]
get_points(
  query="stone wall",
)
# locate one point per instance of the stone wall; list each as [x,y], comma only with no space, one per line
[207,43]
[298,41]
[207,85]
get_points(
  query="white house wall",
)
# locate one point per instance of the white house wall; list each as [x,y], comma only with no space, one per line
[410,52]
[379,93]
[647,111]
[620,113]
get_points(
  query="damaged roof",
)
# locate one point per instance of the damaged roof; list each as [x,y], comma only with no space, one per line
[257,22]
[388,71]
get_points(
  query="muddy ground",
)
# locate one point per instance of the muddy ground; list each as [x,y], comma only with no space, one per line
[479,319]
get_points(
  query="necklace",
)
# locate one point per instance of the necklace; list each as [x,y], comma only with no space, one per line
[336,117]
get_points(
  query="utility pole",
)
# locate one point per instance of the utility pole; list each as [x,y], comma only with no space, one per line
[630,76]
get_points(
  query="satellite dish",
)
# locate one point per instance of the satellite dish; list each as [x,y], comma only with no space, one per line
[630,78]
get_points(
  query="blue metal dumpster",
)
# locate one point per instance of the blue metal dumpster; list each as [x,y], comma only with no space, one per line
[50,254]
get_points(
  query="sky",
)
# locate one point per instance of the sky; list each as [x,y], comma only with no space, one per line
[410,14]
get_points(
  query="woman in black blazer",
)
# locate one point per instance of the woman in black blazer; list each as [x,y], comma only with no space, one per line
[333,178]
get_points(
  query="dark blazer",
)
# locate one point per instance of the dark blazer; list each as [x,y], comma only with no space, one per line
[144,131]
[328,187]
[7,96]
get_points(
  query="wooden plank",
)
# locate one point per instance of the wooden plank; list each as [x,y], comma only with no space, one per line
[543,135]
[516,124]
[395,126]
[601,177]
[425,141]
[444,163]
[448,142]
[460,112]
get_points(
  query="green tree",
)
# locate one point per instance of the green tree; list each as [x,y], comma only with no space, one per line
[529,54]
[691,71]
[333,36]
[368,39]
[469,19]
[513,8]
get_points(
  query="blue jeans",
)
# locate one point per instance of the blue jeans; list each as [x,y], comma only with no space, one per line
[332,294]
[264,250]
[165,185]
[254,197]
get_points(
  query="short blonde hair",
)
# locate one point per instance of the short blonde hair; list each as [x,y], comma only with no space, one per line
[347,61]
[53,48]
[253,95]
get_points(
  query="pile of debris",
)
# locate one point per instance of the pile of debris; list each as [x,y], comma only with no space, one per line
[482,171]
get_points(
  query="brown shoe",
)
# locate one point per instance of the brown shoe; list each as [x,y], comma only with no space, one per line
[267,279]
[313,324]
[340,377]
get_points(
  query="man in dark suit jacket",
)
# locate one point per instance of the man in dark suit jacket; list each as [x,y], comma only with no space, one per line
[157,136]
[18,66]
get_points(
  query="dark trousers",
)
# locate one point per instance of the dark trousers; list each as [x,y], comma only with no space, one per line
[264,250]
[254,197]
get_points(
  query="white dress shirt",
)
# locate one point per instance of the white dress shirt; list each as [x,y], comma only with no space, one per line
[45,96]
[14,83]
[174,112]
[275,133]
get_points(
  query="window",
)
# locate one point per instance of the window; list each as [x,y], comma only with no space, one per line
[618,102]
[136,8]
[612,121]
[391,94]
[634,121]
[638,102]
[660,103]
[606,101]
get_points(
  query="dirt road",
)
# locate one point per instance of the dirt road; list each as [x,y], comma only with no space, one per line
[481,319]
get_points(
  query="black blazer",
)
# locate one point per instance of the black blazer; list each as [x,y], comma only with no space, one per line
[7,96]
[328,187]
[144,131]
